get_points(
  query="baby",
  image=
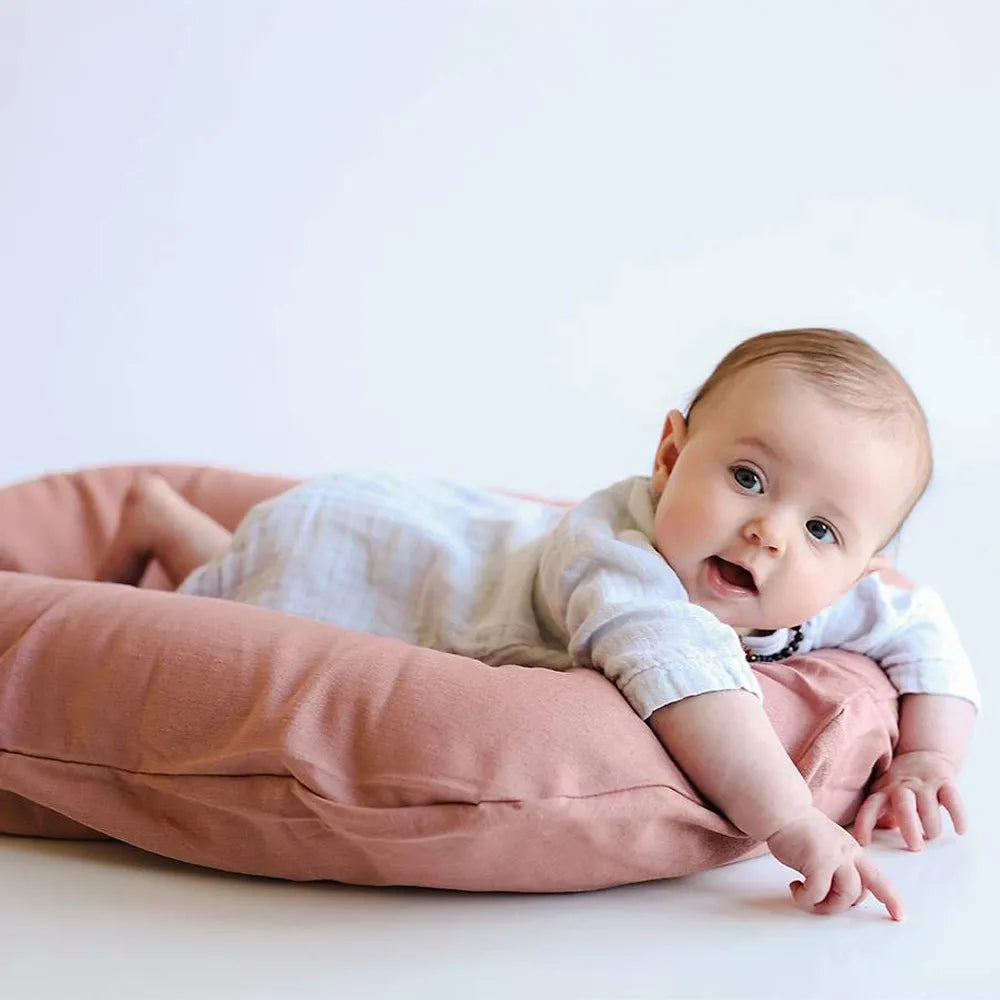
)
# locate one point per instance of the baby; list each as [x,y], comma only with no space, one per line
[758,536]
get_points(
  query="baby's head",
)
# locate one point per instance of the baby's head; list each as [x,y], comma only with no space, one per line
[798,461]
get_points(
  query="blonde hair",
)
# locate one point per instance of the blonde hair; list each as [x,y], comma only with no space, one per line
[846,368]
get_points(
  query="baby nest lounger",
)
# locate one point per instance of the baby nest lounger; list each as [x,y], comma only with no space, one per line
[249,740]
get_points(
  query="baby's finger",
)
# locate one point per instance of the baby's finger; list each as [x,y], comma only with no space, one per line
[929,812]
[886,821]
[815,888]
[880,887]
[948,797]
[867,816]
[845,891]
[904,804]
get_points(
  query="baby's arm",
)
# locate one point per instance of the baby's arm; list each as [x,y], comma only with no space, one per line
[935,723]
[911,635]
[726,745]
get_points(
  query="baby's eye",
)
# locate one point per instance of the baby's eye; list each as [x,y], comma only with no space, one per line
[747,478]
[820,530]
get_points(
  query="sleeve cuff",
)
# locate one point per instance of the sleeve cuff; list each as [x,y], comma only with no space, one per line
[653,688]
[935,677]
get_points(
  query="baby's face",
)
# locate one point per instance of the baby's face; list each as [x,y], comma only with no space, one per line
[775,499]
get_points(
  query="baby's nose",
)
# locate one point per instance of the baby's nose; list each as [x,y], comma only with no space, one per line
[767,533]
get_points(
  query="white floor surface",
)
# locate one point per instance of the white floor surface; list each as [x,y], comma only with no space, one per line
[108,921]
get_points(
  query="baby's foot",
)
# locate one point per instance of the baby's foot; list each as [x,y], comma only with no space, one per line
[131,549]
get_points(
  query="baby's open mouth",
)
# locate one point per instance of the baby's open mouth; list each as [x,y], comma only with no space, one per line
[734,575]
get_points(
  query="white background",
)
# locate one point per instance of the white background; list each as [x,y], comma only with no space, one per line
[479,239]
[493,241]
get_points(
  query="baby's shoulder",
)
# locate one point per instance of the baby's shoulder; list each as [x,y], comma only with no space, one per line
[624,506]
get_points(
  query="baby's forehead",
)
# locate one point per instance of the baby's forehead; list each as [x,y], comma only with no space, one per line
[786,402]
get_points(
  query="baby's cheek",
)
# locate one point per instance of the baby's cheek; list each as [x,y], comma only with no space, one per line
[671,525]
[810,596]
[703,514]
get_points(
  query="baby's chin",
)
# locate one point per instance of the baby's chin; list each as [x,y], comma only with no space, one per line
[755,624]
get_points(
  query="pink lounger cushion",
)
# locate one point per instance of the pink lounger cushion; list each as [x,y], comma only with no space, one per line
[253,741]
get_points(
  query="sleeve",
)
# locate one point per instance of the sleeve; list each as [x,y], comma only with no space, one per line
[907,631]
[604,591]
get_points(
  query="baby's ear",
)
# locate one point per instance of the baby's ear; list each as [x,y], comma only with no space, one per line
[672,440]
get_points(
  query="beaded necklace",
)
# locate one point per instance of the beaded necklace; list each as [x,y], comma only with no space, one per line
[782,654]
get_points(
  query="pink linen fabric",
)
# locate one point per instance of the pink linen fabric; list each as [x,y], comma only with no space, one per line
[249,740]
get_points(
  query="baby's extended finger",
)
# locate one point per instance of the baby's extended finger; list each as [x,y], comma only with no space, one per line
[948,797]
[904,804]
[867,816]
[929,812]
[881,888]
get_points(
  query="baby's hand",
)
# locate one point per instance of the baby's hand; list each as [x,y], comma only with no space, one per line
[838,873]
[908,796]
